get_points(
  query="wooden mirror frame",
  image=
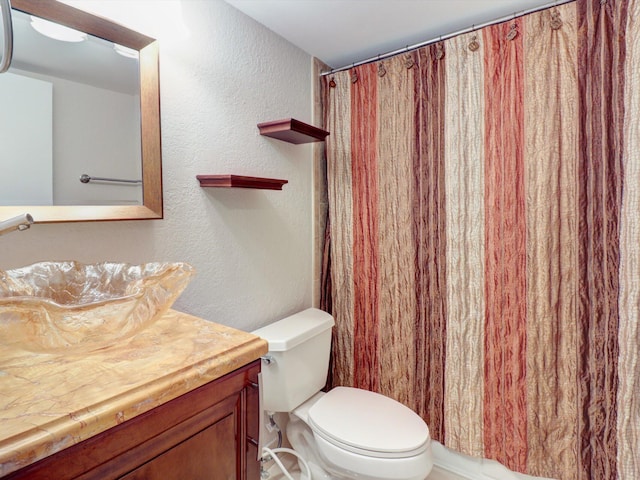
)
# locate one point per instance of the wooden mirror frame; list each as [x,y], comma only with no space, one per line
[151,154]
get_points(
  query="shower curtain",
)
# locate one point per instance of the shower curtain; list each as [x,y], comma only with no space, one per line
[484,218]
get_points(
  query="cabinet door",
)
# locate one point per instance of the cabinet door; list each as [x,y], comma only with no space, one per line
[208,455]
[199,435]
[253,429]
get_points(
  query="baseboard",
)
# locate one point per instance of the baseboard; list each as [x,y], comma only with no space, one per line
[473,468]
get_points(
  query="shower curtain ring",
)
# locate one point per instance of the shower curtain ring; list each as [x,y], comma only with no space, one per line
[408,59]
[381,70]
[513,31]
[354,74]
[439,49]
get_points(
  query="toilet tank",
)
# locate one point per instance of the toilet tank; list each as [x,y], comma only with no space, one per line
[298,359]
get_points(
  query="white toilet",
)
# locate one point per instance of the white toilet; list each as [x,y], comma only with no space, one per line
[346,433]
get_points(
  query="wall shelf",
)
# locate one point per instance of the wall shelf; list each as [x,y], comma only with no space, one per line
[292,131]
[239,181]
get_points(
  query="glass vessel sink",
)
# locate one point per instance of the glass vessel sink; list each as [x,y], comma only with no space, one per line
[56,307]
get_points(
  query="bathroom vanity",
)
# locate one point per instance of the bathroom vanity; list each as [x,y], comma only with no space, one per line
[178,400]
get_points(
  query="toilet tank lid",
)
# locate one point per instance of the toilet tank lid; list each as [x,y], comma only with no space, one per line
[291,331]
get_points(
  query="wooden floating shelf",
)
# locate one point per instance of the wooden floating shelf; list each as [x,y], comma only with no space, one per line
[292,131]
[239,181]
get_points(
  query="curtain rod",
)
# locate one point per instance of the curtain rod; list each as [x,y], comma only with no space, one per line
[415,46]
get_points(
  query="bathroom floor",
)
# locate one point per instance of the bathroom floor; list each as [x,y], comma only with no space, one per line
[467,468]
[436,474]
[439,474]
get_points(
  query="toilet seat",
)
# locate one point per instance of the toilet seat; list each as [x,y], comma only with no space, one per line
[368,424]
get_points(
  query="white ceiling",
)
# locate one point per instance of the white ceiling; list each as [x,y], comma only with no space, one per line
[343,32]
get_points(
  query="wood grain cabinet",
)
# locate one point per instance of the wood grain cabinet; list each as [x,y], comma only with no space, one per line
[206,434]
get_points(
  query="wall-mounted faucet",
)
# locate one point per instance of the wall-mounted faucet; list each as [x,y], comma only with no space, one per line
[21,222]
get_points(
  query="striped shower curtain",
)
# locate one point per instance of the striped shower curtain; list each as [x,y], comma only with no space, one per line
[484,210]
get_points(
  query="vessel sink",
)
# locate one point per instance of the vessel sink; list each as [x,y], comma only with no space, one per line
[56,307]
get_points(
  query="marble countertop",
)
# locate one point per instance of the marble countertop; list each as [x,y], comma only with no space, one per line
[50,402]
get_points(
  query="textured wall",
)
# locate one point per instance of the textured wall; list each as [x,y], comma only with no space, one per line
[252,249]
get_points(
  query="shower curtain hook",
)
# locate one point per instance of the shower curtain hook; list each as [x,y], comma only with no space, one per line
[556,20]
[408,59]
[439,49]
[381,70]
[473,44]
[513,31]
[332,80]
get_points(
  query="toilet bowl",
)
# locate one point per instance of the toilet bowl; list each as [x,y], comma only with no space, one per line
[361,434]
[346,433]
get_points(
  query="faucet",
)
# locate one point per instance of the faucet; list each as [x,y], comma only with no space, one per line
[21,222]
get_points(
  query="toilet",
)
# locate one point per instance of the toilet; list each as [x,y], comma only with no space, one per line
[346,433]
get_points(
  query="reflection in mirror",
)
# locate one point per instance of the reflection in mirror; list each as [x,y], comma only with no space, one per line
[83,106]
[64,82]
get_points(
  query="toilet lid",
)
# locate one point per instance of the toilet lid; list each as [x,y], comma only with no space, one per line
[368,423]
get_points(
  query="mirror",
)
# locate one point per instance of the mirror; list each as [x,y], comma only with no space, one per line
[132,149]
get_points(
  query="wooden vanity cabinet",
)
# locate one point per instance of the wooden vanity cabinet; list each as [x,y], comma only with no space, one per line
[208,433]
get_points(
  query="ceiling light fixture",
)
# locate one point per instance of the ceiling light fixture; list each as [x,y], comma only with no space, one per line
[57,31]
[125,51]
